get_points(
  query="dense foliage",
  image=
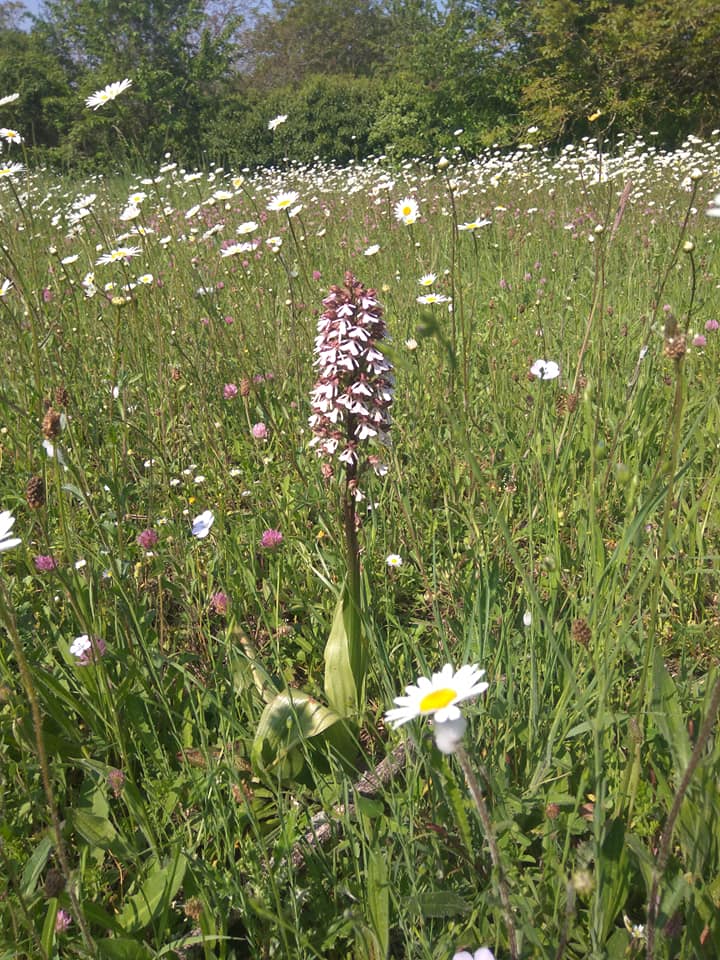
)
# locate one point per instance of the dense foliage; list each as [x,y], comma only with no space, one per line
[356,77]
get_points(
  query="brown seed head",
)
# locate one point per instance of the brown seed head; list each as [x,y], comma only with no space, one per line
[35,493]
[581,632]
[51,424]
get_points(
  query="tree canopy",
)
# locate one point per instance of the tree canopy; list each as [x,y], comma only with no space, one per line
[354,76]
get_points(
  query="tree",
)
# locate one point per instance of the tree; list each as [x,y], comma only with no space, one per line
[176,59]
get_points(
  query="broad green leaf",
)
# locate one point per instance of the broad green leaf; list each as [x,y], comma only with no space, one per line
[378,899]
[121,948]
[442,903]
[98,831]
[47,936]
[341,686]
[287,726]
[154,896]
[36,864]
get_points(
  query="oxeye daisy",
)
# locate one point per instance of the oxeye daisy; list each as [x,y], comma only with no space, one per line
[430,298]
[438,696]
[110,92]
[276,121]
[406,211]
[427,279]
[282,201]
[7,521]
[121,253]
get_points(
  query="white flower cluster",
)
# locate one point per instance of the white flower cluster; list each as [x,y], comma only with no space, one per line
[352,396]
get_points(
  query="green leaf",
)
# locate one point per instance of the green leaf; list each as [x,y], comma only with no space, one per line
[98,831]
[47,936]
[378,899]
[155,895]
[121,948]
[442,903]
[35,865]
[341,685]
[287,725]
[667,715]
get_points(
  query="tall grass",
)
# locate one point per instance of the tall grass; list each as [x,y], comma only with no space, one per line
[561,533]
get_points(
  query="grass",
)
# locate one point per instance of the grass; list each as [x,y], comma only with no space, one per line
[561,533]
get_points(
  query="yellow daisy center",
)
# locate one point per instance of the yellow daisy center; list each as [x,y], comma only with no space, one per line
[406,210]
[437,699]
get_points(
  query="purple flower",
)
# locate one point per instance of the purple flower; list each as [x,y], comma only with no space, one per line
[62,921]
[271,539]
[45,563]
[259,431]
[87,650]
[712,325]
[699,340]
[230,391]
[351,398]
[116,781]
[219,603]
[147,539]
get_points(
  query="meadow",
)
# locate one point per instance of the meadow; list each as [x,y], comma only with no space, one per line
[205,622]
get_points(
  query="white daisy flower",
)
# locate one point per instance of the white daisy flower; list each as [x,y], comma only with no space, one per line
[406,211]
[110,92]
[7,521]
[438,696]
[282,201]
[276,121]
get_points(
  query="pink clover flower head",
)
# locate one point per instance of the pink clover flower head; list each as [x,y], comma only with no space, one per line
[230,391]
[62,921]
[271,539]
[259,431]
[87,650]
[699,340]
[712,325]
[481,954]
[354,390]
[116,781]
[545,370]
[219,603]
[316,275]
[438,696]
[45,563]
[202,523]
[147,538]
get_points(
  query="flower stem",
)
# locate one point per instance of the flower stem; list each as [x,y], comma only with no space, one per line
[476,793]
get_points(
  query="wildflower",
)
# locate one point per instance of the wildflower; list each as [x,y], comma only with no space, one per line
[10,169]
[116,781]
[259,431]
[430,298]
[699,340]
[545,370]
[712,325]
[427,279]
[230,391]
[481,954]
[202,523]
[271,539]
[10,98]
[62,921]
[147,539]
[245,228]
[438,697]
[276,121]
[122,253]
[372,250]
[714,209]
[5,287]
[11,136]
[281,201]
[45,563]
[87,650]
[110,92]
[527,619]
[352,396]
[474,225]
[219,603]
[7,521]
[406,211]
[394,560]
